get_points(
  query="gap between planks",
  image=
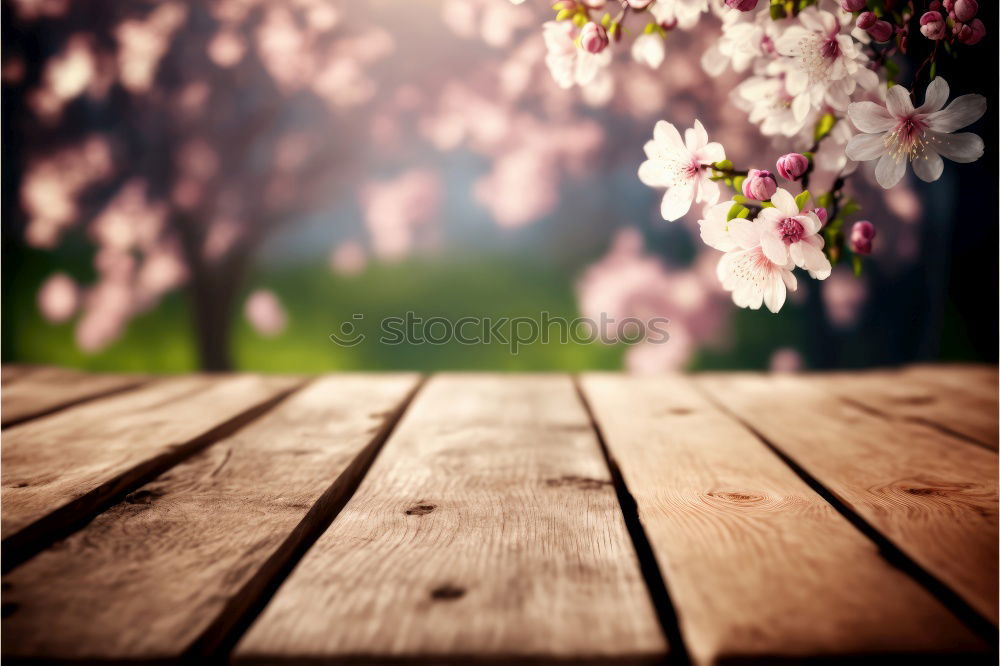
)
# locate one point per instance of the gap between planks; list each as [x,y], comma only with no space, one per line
[99,445]
[906,523]
[758,566]
[255,501]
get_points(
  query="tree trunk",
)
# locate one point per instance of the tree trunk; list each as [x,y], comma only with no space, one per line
[213,308]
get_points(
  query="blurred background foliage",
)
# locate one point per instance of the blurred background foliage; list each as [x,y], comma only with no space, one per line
[419,179]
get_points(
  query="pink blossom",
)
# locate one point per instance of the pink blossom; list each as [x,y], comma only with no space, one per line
[759,185]
[965,10]
[593,37]
[742,5]
[881,31]
[853,5]
[862,234]
[866,20]
[264,312]
[790,234]
[400,213]
[792,165]
[58,298]
[932,26]
[970,33]
[679,165]
[348,258]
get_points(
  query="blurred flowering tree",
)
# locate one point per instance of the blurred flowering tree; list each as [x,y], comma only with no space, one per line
[178,136]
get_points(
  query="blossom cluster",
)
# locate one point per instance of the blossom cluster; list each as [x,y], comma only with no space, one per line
[821,77]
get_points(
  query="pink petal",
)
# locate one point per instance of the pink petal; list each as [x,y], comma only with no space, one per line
[889,171]
[928,166]
[962,111]
[935,97]
[897,100]
[864,147]
[677,201]
[870,117]
[964,147]
[785,202]
[666,134]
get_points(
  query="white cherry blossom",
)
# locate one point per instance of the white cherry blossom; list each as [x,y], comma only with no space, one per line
[822,61]
[896,133]
[648,49]
[681,167]
[569,64]
[751,277]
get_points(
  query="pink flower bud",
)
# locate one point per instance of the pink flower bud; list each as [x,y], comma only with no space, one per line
[932,26]
[934,6]
[742,5]
[759,185]
[820,213]
[862,234]
[966,10]
[593,38]
[866,20]
[882,31]
[949,5]
[970,33]
[792,166]
[853,5]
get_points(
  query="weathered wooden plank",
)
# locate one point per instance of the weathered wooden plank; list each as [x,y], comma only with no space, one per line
[11,372]
[487,528]
[942,398]
[61,469]
[180,561]
[42,391]
[758,565]
[933,496]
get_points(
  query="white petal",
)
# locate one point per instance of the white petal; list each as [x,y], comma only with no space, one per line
[863,147]
[747,234]
[935,97]
[810,223]
[800,107]
[795,252]
[866,78]
[813,258]
[964,147]
[708,191]
[928,166]
[962,111]
[696,138]
[796,82]
[789,279]
[774,294]
[785,202]
[898,102]
[677,201]
[774,248]
[870,117]
[889,171]
[654,173]
[711,152]
[665,133]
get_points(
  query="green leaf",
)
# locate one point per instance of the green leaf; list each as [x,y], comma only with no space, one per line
[824,126]
[650,29]
[933,70]
[738,183]
[824,200]
[744,213]
[766,204]
[606,19]
[850,207]
[739,198]
[801,198]
[564,14]
[724,165]
[734,211]
[856,264]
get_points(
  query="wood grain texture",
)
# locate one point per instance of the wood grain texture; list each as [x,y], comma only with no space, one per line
[934,497]
[188,552]
[32,392]
[487,527]
[954,400]
[758,565]
[61,469]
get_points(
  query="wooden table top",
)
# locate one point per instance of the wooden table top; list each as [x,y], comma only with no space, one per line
[486,517]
